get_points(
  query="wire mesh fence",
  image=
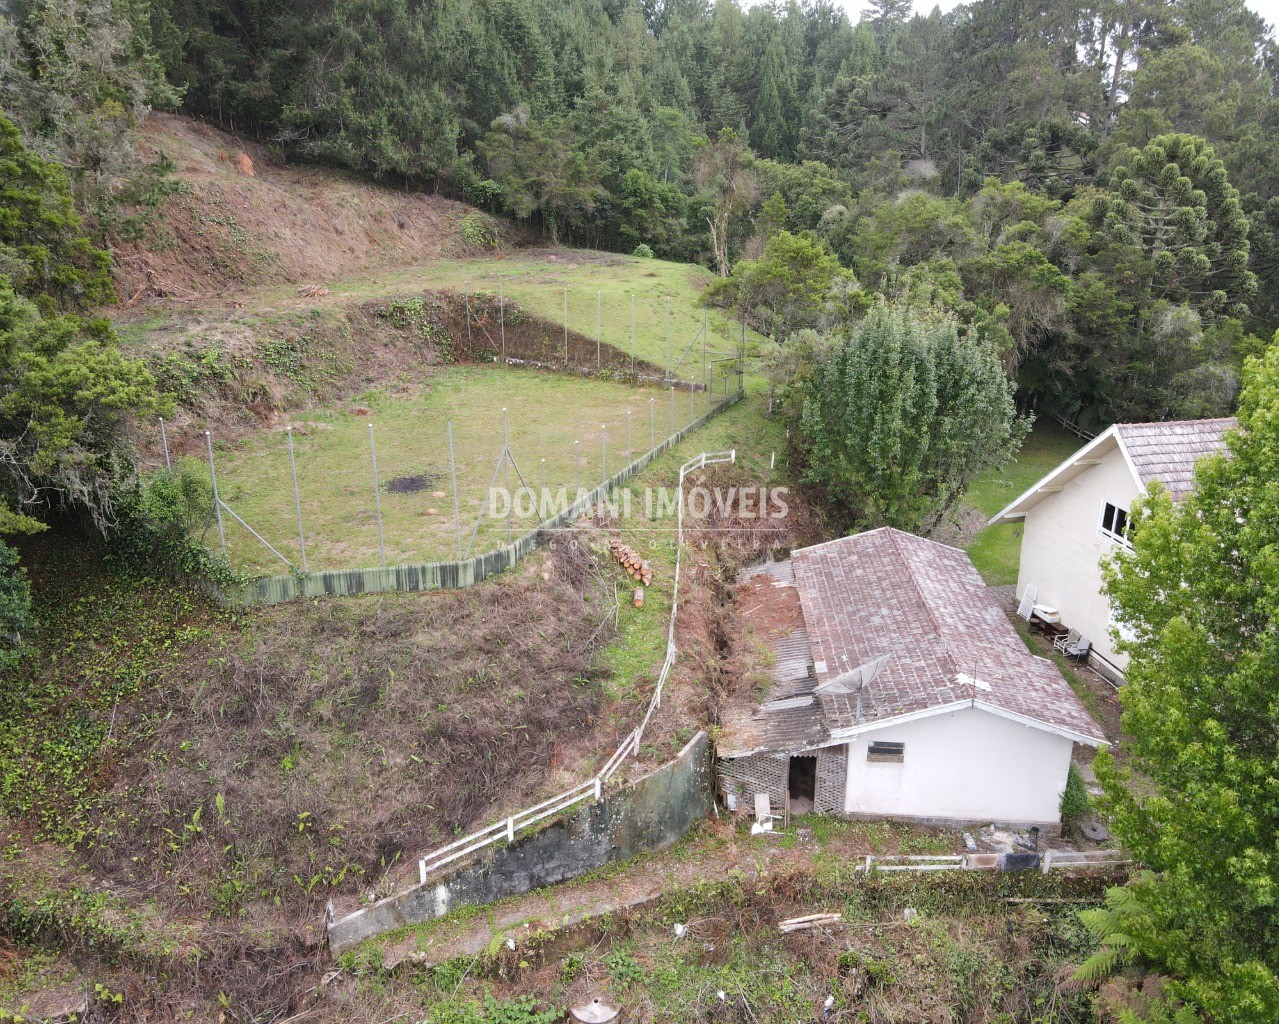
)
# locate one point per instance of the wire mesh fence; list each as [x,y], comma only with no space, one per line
[481,457]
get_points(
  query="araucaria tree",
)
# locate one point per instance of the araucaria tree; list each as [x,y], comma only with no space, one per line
[1197,936]
[903,415]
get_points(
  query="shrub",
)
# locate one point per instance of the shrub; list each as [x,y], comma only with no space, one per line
[478,231]
[644,251]
[1075,802]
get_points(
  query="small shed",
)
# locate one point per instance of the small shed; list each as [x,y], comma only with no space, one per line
[899,689]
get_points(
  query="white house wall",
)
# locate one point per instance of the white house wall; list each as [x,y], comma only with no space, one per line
[1062,549]
[966,765]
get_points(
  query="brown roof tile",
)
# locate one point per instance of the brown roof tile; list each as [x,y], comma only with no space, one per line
[1167,451]
[923,604]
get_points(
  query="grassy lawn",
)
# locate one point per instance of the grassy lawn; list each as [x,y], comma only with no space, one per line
[996,550]
[537,282]
[546,415]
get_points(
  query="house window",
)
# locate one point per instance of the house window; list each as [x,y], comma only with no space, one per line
[1114,524]
[881,751]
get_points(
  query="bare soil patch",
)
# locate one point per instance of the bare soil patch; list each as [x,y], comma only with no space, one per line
[293,224]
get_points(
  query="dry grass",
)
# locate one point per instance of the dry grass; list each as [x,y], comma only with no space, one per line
[331,741]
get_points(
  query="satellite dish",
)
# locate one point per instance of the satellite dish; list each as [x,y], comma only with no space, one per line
[854,680]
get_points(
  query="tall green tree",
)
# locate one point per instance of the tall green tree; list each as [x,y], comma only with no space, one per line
[724,171]
[78,77]
[540,171]
[43,249]
[1197,605]
[903,415]
[783,290]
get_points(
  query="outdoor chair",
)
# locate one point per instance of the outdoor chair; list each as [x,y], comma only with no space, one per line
[1080,651]
[1067,640]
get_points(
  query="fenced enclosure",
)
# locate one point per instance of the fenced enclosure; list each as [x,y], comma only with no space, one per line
[476,460]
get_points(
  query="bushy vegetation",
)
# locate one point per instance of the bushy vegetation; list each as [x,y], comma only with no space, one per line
[902,416]
[1197,598]
[1095,182]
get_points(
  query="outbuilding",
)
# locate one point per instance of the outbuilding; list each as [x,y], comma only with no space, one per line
[898,689]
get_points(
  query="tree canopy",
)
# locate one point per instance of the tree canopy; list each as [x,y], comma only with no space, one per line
[1197,603]
[902,416]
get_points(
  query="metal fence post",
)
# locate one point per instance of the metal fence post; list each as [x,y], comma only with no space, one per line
[466,285]
[668,341]
[217,502]
[501,312]
[297,497]
[706,366]
[377,498]
[164,440]
[599,331]
[566,327]
[506,474]
[672,427]
[457,512]
[632,338]
[652,424]
[692,412]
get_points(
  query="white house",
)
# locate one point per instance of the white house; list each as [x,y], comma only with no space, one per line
[1077,515]
[899,689]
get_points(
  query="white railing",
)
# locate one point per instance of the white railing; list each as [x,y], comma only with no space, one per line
[593,789]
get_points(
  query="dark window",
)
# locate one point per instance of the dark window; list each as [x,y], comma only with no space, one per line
[882,751]
[1114,522]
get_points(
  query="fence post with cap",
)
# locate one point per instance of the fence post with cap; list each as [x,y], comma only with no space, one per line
[164,440]
[457,510]
[377,498]
[297,497]
[217,502]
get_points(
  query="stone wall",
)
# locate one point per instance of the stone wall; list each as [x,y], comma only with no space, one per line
[647,815]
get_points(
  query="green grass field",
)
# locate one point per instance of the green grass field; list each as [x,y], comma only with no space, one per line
[546,414]
[537,282]
[996,550]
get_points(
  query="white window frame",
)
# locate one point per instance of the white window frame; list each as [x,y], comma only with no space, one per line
[1111,535]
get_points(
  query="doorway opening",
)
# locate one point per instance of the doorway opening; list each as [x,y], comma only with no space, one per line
[801,783]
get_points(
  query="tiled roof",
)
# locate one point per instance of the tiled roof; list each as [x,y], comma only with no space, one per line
[923,604]
[1167,451]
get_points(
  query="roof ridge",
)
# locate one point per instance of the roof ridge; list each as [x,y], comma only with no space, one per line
[1175,423]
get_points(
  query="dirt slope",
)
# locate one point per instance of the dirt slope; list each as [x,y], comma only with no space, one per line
[227,228]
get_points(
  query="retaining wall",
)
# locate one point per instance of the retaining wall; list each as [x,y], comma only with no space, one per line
[646,815]
[446,575]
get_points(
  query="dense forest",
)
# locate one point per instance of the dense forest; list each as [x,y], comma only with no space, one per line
[1094,185]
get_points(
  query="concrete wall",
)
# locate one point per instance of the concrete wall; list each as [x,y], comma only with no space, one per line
[650,814]
[444,575]
[967,765]
[1062,548]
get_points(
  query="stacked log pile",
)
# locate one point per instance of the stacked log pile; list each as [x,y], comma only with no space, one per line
[636,568]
